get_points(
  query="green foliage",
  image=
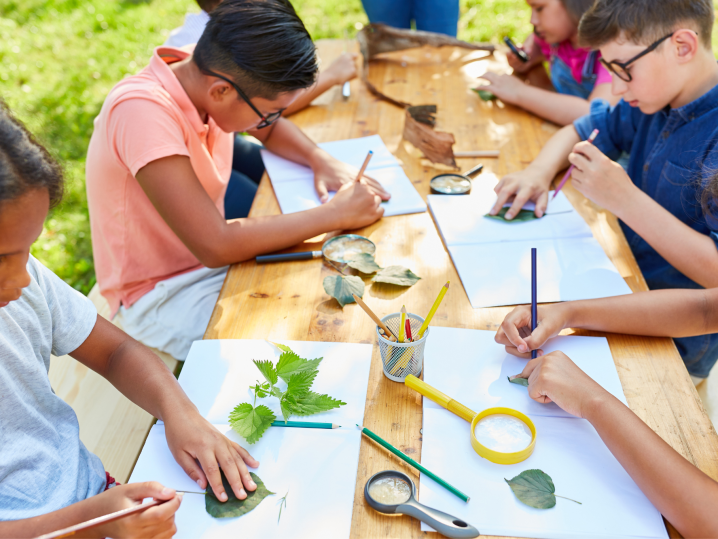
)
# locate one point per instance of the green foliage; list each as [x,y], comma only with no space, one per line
[234,507]
[365,263]
[251,422]
[282,503]
[535,488]
[398,275]
[341,288]
[521,217]
[485,95]
[519,381]
[290,363]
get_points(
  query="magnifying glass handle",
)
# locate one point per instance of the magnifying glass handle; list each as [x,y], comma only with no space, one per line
[439,398]
[442,522]
[287,257]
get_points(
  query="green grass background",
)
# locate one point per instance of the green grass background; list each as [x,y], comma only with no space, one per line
[60,58]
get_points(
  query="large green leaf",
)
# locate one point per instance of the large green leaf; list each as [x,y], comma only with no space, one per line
[341,288]
[398,275]
[234,507]
[290,363]
[519,381]
[301,382]
[364,262]
[535,488]
[250,422]
[267,369]
[313,403]
[522,217]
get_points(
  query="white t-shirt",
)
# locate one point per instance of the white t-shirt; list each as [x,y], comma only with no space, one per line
[190,31]
[43,464]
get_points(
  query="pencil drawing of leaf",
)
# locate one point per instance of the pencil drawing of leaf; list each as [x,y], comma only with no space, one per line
[364,262]
[522,217]
[535,488]
[519,381]
[398,275]
[290,363]
[234,507]
[341,288]
[250,422]
[485,95]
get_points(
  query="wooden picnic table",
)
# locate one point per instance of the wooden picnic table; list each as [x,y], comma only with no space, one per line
[287,300]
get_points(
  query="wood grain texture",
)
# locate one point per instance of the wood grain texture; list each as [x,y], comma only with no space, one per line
[287,301]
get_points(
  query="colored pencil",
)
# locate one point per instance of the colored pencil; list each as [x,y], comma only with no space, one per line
[591,138]
[432,311]
[305,425]
[402,328]
[387,332]
[364,165]
[485,153]
[534,297]
[407,328]
[413,463]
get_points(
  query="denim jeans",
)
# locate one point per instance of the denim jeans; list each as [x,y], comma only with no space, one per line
[441,16]
[247,170]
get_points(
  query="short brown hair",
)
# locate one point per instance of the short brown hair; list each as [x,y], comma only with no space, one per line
[644,21]
[576,8]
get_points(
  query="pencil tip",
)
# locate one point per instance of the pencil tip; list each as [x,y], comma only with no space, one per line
[335,426]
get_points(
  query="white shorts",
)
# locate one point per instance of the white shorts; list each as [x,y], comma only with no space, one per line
[175,313]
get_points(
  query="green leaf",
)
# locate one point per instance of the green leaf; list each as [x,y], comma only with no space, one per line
[262,390]
[364,262]
[535,488]
[234,507]
[250,422]
[521,217]
[341,288]
[282,347]
[286,403]
[290,363]
[313,403]
[484,94]
[282,501]
[519,381]
[301,382]
[267,369]
[398,275]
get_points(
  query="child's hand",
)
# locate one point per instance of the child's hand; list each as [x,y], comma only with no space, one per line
[157,521]
[343,68]
[600,179]
[507,88]
[520,187]
[555,378]
[192,438]
[356,205]
[331,174]
[515,331]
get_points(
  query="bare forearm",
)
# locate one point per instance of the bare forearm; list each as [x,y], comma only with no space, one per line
[287,140]
[680,491]
[324,82]
[558,108]
[57,520]
[554,155]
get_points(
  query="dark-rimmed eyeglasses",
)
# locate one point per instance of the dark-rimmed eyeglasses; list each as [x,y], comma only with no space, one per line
[620,69]
[267,120]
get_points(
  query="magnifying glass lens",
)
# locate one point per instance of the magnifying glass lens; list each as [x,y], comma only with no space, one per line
[390,490]
[504,433]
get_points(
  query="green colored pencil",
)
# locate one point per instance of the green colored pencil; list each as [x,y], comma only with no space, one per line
[413,463]
[305,425]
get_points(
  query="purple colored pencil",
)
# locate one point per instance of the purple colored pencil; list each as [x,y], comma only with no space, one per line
[534,297]
[591,138]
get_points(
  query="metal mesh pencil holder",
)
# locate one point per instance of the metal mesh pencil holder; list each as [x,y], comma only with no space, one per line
[402,359]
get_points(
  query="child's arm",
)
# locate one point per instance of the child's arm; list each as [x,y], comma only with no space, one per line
[156,521]
[144,379]
[658,313]
[534,181]
[607,184]
[680,491]
[341,70]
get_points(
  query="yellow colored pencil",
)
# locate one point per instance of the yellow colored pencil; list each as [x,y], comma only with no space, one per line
[403,323]
[364,165]
[432,312]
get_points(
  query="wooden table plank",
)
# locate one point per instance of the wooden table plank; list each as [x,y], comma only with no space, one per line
[287,300]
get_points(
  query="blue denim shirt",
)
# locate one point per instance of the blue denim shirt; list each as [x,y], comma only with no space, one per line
[673,152]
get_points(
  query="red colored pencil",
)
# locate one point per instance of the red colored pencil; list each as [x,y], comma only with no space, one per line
[407,327]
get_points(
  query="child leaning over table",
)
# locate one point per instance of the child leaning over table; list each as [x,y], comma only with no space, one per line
[48,479]
[577,76]
[683,494]
[664,69]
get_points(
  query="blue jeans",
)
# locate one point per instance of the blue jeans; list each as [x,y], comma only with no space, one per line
[247,170]
[441,16]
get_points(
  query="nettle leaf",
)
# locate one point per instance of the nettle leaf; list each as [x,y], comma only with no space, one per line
[282,347]
[267,369]
[286,403]
[262,390]
[364,262]
[522,217]
[535,488]
[301,383]
[290,363]
[250,422]
[398,275]
[341,288]
[234,507]
[485,95]
[519,381]
[313,403]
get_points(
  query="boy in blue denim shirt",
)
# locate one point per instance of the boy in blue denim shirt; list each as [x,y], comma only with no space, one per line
[659,53]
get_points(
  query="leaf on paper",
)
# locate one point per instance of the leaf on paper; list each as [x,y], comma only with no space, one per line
[300,383]
[485,95]
[250,422]
[282,347]
[313,403]
[535,488]
[341,288]
[234,507]
[290,363]
[521,217]
[267,369]
[519,381]
[262,390]
[398,275]
[365,263]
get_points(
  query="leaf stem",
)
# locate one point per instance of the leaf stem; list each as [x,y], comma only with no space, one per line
[336,268]
[569,499]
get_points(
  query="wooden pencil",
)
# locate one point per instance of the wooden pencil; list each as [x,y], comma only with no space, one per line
[402,328]
[534,297]
[377,320]
[305,425]
[366,164]
[566,176]
[432,311]
[479,153]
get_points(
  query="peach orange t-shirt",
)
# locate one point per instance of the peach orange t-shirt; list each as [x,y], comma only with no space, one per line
[146,117]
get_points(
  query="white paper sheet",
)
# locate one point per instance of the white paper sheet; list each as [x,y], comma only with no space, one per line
[316,467]
[495,274]
[469,366]
[569,450]
[294,184]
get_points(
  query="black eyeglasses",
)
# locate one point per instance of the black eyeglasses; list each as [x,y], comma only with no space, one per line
[267,120]
[621,69]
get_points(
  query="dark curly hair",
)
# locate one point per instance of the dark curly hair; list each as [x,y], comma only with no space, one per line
[24,163]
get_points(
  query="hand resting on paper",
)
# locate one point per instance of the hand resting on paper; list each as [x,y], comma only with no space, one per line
[515,331]
[330,174]
[530,184]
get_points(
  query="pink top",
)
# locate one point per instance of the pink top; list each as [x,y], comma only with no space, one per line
[146,117]
[574,58]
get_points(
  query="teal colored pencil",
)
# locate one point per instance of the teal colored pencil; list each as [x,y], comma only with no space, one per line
[305,425]
[413,463]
